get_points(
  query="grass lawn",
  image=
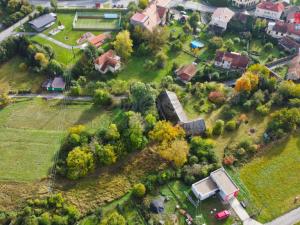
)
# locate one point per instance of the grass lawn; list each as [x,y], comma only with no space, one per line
[31,132]
[62,55]
[134,69]
[68,35]
[202,215]
[282,71]
[273,178]
[256,45]
[13,78]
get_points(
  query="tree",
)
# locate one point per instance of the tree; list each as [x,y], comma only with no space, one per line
[165,132]
[215,42]
[80,161]
[123,44]
[139,190]
[113,219]
[112,133]
[161,59]
[106,154]
[194,20]
[53,4]
[248,82]
[55,68]
[218,128]
[102,98]
[157,39]
[143,4]
[142,97]
[176,152]
[41,58]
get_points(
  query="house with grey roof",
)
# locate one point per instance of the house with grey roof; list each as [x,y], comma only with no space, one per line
[170,108]
[43,22]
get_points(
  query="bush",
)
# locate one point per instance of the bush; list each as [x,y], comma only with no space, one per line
[218,128]
[263,110]
[102,98]
[139,190]
[231,125]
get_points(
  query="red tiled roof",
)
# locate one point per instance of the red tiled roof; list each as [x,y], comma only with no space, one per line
[272,6]
[280,26]
[237,60]
[107,59]
[99,40]
[138,17]
[187,72]
[294,29]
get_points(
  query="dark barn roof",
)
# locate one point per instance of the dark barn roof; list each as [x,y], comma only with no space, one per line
[42,21]
[171,109]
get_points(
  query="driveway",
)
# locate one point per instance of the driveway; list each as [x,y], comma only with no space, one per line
[9,31]
[289,218]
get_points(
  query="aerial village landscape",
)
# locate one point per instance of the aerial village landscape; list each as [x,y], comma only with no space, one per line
[149,112]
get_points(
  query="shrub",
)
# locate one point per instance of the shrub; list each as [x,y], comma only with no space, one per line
[102,98]
[23,66]
[231,125]
[218,128]
[216,97]
[139,190]
[263,109]
[228,160]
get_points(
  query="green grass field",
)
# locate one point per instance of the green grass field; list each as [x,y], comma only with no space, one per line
[63,55]
[273,178]
[12,78]
[68,35]
[134,69]
[31,132]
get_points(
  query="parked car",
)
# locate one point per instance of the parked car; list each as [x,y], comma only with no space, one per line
[222,215]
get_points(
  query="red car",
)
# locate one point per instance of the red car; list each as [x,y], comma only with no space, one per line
[222,215]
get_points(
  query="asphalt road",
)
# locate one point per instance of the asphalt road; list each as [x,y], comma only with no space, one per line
[10,31]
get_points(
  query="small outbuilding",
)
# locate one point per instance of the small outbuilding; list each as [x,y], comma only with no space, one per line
[57,84]
[157,205]
[186,73]
[219,182]
[43,22]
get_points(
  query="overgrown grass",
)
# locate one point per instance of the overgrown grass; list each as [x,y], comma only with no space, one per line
[273,178]
[12,78]
[31,132]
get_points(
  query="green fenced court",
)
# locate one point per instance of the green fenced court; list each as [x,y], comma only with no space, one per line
[101,21]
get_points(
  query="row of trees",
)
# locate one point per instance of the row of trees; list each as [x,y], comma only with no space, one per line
[15,10]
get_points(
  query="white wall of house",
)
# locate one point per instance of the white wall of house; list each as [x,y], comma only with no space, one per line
[267,14]
[245,3]
[200,196]
[109,68]
[223,64]
[219,23]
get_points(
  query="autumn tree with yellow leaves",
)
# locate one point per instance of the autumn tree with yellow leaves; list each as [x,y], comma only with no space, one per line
[169,142]
[248,82]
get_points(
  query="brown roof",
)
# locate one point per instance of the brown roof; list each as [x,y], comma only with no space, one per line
[152,15]
[223,14]
[289,43]
[187,72]
[294,69]
[109,58]
[99,39]
[237,60]
[272,6]
[280,26]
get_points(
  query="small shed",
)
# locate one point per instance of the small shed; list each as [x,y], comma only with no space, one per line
[157,205]
[58,84]
[196,44]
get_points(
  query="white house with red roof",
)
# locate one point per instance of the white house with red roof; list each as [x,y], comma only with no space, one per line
[108,62]
[231,60]
[269,10]
[154,15]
